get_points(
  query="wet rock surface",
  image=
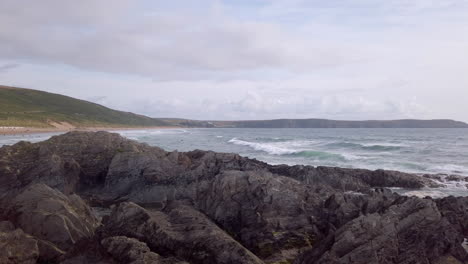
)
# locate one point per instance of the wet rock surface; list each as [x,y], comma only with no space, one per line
[95,197]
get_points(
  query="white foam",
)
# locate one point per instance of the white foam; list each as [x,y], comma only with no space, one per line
[451,168]
[355,193]
[288,147]
[383,144]
[424,193]
[270,148]
[349,156]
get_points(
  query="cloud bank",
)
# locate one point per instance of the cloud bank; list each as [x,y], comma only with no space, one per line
[244,59]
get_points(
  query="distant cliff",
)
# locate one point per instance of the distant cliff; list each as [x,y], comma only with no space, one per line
[325,123]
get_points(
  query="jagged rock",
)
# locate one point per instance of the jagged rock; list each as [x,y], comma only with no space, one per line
[16,246]
[57,220]
[48,251]
[412,230]
[63,162]
[352,179]
[88,251]
[341,208]
[129,250]
[270,215]
[132,251]
[207,207]
[455,209]
[178,231]
[113,250]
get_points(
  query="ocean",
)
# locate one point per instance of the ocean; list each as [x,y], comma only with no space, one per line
[437,151]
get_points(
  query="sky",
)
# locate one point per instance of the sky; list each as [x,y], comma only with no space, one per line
[244,59]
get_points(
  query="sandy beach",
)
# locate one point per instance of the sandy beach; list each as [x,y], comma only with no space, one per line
[35,130]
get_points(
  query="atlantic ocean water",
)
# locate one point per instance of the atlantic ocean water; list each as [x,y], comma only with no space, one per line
[435,151]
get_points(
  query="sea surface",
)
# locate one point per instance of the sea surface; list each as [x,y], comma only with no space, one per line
[434,151]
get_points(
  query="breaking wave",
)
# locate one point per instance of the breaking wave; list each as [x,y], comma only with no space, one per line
[270,148]
[367,146]
[284,149]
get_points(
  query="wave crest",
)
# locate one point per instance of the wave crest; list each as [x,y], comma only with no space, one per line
[368,146]
[278,148]
[270,148]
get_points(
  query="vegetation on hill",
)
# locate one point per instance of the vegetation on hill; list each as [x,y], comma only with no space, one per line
[32,108]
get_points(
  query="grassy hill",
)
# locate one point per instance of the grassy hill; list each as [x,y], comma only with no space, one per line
[32,108]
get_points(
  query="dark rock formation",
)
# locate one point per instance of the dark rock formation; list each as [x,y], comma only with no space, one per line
[16,246]
[168,231]
[130,250]
[410,230]
[455,210]
[57,221]
[205,207]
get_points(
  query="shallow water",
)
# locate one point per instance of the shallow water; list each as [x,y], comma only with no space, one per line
[408,150]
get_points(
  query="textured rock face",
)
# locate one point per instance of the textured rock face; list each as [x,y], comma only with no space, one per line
[273,216]
[178,230]
[63,162]
[352,179]
[207,207]
[411,230]
[16,246]
[129,250]
[56,220]
[456,212]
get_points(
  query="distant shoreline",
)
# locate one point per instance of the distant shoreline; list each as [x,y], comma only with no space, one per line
[4,131]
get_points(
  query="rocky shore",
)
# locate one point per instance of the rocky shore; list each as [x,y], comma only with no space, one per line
[96,197]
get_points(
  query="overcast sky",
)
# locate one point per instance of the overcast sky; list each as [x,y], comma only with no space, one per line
[247,59]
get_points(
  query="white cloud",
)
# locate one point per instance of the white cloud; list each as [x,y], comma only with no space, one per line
[156,43]
[259,59]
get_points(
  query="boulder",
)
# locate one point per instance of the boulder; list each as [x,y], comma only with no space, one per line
[65,162]
[58,221]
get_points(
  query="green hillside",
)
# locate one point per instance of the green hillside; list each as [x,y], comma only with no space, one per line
[32,108]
